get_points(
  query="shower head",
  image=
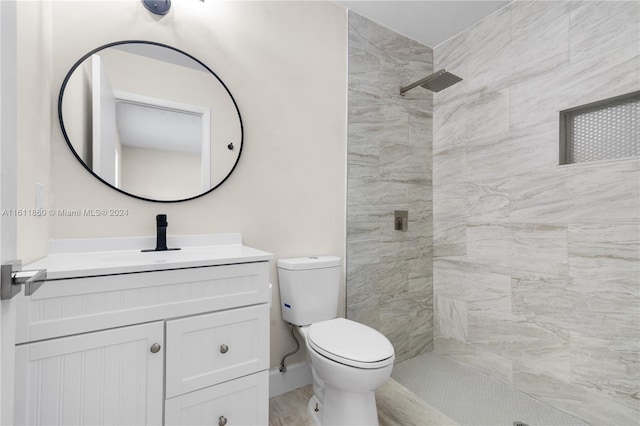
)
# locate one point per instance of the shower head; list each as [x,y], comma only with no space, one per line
[435,82]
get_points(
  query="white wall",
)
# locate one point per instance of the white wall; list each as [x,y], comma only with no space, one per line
[168,175]
[77,104]
[285,63]
[35,109]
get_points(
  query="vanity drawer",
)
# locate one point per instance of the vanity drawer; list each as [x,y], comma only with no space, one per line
[244,401]
[208,349]
[79,305]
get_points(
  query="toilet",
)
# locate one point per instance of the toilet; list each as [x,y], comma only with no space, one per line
[349,360]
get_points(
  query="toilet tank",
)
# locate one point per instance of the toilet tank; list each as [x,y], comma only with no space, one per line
[309,288]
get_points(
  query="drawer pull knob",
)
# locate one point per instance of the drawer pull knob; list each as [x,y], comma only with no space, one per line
[223,350]
[155,348]
[222,420]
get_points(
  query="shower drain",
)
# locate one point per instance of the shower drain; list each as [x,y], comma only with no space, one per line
[520,424]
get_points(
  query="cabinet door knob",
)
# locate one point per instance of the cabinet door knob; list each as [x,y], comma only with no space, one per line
[223,350]
[155,348]
[222,420]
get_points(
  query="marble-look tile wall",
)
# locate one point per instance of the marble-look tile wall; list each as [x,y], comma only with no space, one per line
[536,265]
[389,278]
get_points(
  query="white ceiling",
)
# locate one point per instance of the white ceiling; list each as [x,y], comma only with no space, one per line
[428,22]
[146,127]
[161,53]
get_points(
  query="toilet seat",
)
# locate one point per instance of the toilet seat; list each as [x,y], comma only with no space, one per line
[350,343]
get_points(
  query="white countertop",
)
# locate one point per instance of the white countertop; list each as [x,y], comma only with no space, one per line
[107,256]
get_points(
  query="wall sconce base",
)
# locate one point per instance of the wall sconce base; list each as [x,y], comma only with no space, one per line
[159,7]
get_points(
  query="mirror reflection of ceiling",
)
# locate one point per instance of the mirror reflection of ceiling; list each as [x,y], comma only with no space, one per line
[428,22]
[142,126]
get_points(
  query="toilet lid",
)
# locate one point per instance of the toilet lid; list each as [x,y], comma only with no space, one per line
[350,343]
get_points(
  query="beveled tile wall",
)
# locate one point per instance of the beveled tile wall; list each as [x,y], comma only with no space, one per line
[389,279]
[537,266]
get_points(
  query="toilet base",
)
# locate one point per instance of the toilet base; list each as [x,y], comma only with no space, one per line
[344,409]
[314,415]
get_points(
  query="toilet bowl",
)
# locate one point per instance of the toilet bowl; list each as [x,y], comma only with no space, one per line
[348,360]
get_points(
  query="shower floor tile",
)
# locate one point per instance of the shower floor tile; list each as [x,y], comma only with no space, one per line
[473,398]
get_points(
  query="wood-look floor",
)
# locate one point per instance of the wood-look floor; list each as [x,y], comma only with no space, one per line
[397,406]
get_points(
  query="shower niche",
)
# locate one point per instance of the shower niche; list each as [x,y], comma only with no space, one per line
[605,130]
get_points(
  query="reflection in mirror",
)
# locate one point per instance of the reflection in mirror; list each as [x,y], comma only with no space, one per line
[150,121]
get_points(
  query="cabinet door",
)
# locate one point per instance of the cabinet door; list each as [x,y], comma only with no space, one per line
[104,378]
[204,350]
[243,401]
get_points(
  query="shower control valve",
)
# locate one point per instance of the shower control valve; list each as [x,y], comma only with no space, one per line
[401,217]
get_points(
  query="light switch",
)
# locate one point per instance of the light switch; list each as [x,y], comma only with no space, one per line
[40,197]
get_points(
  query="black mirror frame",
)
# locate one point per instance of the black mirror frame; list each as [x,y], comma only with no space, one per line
[86,166]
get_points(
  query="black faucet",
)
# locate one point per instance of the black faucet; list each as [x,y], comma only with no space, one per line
[161,234]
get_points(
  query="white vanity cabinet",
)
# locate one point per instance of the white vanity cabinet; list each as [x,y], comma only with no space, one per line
[214,349]
[107,377]
[179,345]
[208,349]
[229,403]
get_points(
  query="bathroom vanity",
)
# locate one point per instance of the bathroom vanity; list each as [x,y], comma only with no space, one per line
[116,336]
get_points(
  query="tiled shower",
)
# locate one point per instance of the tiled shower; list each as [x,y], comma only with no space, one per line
[389,273]
[513,264]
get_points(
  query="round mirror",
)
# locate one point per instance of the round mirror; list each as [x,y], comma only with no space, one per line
[150,121]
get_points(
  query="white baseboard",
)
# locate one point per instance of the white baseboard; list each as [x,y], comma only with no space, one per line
[297,376]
